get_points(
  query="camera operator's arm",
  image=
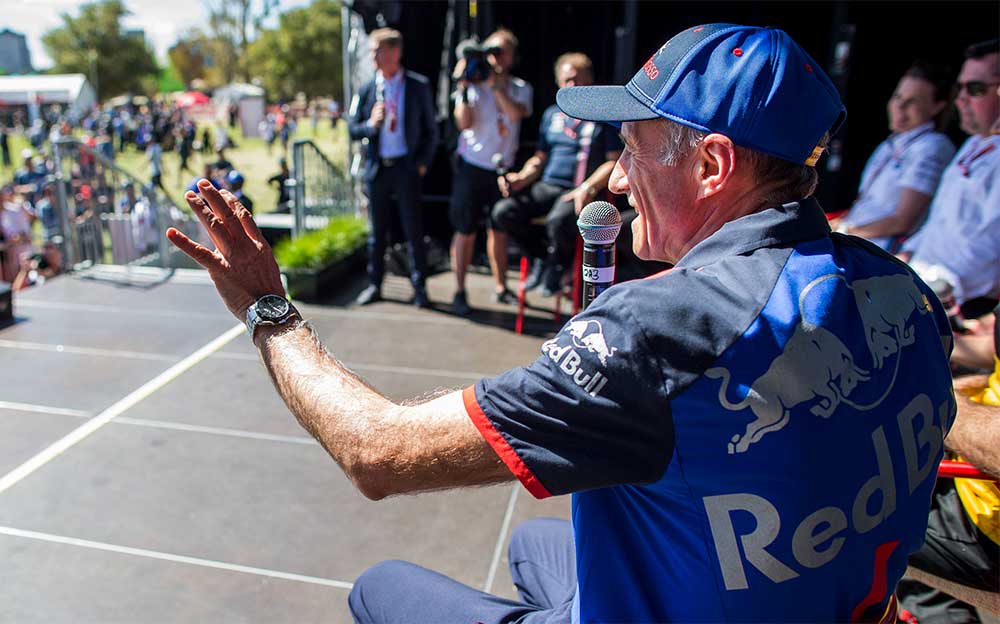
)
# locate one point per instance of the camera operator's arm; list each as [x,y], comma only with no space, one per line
[508,106]
[464,113]
[529,173]
[975,434]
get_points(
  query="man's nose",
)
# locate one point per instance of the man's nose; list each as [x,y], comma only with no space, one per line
[618,184]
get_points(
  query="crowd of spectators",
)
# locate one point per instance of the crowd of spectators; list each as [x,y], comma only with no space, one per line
[103,203]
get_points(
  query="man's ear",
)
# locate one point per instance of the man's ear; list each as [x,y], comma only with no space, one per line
[716,164]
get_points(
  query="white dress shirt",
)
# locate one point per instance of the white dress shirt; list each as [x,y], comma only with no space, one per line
[391,136]
[962,231]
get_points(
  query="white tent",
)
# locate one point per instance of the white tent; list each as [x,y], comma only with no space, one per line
[249,100]
[70,90]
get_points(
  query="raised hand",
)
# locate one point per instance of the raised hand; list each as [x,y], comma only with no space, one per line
[241,265]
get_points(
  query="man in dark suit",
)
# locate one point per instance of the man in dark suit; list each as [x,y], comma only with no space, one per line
[395,114]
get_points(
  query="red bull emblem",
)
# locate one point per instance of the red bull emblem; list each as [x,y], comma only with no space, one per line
[823,365]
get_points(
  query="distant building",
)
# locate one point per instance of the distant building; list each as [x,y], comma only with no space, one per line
[14,55]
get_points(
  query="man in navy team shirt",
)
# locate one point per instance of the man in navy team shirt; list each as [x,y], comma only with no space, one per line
[753,434]
[571,165]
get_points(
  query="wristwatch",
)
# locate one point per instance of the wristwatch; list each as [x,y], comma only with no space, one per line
[269,310]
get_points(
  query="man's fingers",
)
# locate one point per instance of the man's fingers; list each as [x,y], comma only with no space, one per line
[245,218]
[215,200]
[198,253]
[213,224]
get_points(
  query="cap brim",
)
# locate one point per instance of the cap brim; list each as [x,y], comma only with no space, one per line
[611,104]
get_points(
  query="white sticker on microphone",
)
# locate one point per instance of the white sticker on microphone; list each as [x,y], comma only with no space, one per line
[599,275]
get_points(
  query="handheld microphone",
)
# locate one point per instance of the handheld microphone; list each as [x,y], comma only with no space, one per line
[599,224]
[499,165]
[379,90]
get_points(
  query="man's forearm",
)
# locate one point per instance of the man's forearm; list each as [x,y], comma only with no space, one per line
[889,226]
[599,179]
[384,448]
[311,381]
[975,434]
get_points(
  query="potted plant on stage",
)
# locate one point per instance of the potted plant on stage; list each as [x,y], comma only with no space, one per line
[317,262]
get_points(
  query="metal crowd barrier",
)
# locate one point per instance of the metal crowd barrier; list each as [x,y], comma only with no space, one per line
[99,222]
[320,189]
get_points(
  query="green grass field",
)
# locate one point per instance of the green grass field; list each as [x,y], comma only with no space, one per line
[250,158]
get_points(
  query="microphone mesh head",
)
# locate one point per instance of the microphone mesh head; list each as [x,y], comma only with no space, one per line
[599,222]
[497,159]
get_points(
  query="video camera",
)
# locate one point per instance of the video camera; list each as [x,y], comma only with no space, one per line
[477,65]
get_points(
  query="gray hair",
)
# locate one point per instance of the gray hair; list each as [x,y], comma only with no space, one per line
[678,142]
[796,181]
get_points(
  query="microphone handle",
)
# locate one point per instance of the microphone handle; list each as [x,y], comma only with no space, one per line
[598,270]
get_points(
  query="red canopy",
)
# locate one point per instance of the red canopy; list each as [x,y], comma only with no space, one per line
[192,98]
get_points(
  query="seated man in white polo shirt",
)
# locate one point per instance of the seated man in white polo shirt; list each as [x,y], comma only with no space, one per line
[960,236]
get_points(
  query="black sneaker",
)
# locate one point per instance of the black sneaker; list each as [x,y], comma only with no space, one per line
[505,296]
[459,304]
[552,280]
[420,298]
[369,295]
[535,276]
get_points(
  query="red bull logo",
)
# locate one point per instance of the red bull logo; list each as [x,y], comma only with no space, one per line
[585,336]
[819,537]
[816,366]
[589,335]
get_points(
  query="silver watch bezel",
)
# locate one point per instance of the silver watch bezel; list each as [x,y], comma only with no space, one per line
[254,319]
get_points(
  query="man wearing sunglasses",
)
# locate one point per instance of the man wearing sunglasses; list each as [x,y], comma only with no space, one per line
[958,241]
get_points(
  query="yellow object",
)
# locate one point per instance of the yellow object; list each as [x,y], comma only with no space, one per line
[981,499]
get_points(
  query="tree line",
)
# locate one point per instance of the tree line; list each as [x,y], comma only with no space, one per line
[301,55]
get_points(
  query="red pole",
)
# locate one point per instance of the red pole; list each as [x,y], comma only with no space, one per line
[951,469]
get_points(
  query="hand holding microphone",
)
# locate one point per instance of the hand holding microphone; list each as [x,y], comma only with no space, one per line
[378,110]
[502,182]
[599,224]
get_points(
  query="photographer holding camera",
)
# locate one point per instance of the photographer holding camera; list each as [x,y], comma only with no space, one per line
[489,106]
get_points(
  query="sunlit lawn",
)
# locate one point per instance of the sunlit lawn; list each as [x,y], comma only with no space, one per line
[250,158]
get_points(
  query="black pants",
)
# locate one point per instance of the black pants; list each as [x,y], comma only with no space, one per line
[473,193]
[953,549]
[402,180]
[514,215]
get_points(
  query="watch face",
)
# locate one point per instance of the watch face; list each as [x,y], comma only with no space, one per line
[272,307]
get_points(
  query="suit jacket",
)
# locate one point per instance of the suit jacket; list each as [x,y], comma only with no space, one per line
[418,123]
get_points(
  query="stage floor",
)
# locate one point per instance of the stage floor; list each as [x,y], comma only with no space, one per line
[150,473]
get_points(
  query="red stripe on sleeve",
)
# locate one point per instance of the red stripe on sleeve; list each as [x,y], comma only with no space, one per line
[500,446]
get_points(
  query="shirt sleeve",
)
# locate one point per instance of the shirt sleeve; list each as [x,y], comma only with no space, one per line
[922,171]
[590,412]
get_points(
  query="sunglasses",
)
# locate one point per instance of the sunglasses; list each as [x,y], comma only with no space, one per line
[974,88]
